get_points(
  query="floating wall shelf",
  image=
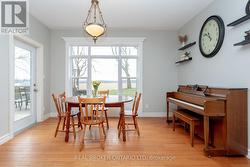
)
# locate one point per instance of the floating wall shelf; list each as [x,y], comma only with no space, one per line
[182,61]
[187,46]
[245,42]
[240,20]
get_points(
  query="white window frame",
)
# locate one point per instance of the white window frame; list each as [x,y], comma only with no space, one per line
[108,41]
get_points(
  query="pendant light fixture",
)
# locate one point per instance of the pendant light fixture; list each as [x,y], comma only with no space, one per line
[94,24]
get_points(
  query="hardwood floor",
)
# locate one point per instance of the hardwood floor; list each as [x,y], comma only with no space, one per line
[158,145]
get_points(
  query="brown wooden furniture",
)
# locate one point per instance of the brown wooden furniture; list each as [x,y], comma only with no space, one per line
[132,114]
[61,107]
[92,115]
[188,118]
[105,93]
[224,112]
[111,101]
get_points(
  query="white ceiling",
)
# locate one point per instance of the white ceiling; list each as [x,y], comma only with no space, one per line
[146,14]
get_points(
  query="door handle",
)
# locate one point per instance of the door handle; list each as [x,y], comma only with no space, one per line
[35,90]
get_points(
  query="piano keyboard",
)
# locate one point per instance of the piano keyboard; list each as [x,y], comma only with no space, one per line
[186,103]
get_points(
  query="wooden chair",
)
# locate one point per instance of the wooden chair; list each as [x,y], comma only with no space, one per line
[103,93]
[132,114]
[92,115]
[188,118]
[61,108]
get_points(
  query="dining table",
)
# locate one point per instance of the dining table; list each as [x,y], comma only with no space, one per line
[112,101]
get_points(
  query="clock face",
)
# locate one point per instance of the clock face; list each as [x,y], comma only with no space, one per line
[211,36]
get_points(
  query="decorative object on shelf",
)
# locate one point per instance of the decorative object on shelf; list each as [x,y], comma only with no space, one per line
[248,8]
[95,84]
[246,41]
[183,40]
[185,56]
[247,37]
[244,18]
[187,46]
[211,36]
[94,24]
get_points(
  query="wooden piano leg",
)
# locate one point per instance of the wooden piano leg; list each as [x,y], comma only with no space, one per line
[206,131]
[168,121]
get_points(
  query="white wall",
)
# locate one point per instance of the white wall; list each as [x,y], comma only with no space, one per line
[40,33]
[231,66]
[4,84]
[159,70]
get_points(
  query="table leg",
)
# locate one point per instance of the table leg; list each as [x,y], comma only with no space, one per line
[67,123]
[123,122]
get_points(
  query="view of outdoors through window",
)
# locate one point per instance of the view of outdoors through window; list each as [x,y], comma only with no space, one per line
[114,66]
[22,82]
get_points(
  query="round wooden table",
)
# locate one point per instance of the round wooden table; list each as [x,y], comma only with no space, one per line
[111,101]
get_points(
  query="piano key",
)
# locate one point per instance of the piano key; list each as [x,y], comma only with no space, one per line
[186,103]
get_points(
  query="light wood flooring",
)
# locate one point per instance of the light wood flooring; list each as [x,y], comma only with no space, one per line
[158,145]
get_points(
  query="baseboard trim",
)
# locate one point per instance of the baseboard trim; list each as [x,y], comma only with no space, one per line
[152,114]
[5,138]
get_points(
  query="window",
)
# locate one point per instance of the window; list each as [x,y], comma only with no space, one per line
[118,67]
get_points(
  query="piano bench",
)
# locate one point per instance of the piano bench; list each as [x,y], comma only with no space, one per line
[188,118]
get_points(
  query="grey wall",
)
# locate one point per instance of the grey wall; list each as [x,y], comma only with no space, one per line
[40,33]
[159,70]
[231,66]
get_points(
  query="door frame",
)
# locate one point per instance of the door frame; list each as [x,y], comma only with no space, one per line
[39,78]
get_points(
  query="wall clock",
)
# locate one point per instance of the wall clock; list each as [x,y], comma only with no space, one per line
[248,8]
[211,36]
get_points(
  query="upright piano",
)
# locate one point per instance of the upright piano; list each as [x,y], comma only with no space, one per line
[224,116]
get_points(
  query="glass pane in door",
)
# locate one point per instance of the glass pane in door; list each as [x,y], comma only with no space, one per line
[106,71]
[22,83]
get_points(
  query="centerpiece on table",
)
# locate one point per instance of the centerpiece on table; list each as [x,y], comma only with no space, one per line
[95,84]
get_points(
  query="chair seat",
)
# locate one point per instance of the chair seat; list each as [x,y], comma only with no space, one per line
[93,122]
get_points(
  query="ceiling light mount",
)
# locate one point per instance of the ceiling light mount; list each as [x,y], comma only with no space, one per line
[94,24]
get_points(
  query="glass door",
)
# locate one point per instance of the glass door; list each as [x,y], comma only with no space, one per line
[25,86]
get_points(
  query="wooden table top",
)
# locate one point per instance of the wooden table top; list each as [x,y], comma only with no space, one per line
[111,99]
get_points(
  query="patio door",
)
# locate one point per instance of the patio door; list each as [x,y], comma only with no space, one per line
[25,85]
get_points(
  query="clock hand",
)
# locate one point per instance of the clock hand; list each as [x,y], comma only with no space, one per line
[207,35]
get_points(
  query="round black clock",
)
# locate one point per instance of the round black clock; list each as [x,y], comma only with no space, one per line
[248,8]
[211,36]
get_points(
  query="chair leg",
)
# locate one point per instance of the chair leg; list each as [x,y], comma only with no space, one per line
[73,126]
[58,124]
[83,136]
[118,125]
[101,137]
[173,122]
[104,133]
[64,121]
[136,125]
[106,118]
[79,120]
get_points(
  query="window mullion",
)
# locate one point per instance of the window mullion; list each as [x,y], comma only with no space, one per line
[89,86]
[119,72]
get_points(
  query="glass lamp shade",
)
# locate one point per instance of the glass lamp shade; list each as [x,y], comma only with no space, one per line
[95,30]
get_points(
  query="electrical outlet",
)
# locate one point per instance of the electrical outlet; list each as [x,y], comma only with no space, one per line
[146,106]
